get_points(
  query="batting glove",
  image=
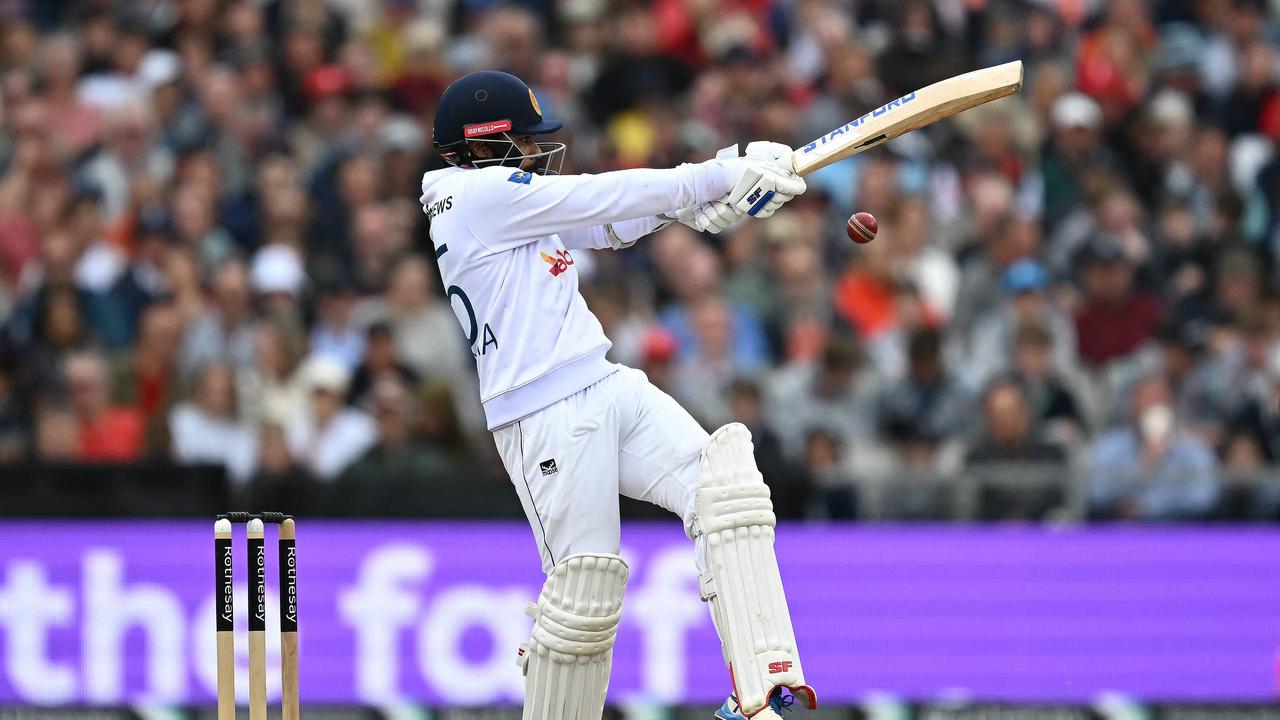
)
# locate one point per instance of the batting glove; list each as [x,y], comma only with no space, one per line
[768,183]
[715,216]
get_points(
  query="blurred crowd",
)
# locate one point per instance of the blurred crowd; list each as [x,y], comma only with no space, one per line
[212,252]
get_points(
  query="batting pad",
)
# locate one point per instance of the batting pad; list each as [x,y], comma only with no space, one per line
[567,661]
[742,583]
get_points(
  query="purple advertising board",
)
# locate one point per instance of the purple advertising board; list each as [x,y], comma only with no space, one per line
[110,612]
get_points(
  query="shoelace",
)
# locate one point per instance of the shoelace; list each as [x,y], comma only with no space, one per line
[782,702]
[777,701]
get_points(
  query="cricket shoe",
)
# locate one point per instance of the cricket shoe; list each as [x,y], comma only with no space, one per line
[777,704]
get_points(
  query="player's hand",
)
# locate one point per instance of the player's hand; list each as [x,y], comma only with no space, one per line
[713,217]
[765,180]
[779,153]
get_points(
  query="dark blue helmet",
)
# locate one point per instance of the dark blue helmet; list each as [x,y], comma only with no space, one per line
[485,106]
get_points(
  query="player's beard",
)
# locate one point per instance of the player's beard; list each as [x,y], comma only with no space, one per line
[547,161]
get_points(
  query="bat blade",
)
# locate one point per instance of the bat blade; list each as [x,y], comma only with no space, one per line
[910,112]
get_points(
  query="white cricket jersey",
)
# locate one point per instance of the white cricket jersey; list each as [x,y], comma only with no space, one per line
[504,240]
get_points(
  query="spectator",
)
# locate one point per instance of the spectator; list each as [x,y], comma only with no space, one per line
[423,77]
[145,376]
[834,494]
[866,297]
[1009,431]
[206,430]
[440,425]
[635,69]
[1253,435]
[99,263]
[1183,350]
[427,336]
[105,433]
[132,152]
[277,391]
[56,313]
[746,404]
[224,331]
[60,330]
[196,227]
[330,436]
[836,394]
[1010,464]
[926,266]
[994,240]
[335,334]
[1026,282]
[380,363]
[1116,318]
[57,435]
[1055,412]
[278,280]
[143,281]
[396,453]
[15,427]
[76,124]
[701,379]
[182,277]
[706,325]
[1151,468]
[1184,255]
[928,403]
[1072,157]
[921,50]
[785,286]
[658,351]
[274,463]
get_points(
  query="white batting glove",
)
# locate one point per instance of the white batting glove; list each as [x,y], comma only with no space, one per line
[766,182]
[766,150]
[715,216]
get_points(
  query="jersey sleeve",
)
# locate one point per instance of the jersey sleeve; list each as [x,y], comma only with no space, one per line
[507,208]
[624,233]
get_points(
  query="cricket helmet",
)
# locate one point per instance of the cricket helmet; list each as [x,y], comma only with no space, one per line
[490,106]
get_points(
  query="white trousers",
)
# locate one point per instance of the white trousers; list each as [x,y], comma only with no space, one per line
[571,460]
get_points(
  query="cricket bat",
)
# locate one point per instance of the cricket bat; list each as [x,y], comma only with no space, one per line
[909,112]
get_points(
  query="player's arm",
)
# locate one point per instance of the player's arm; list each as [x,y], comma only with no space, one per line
[712,216]
[718,215]
[508,207]
[616,235]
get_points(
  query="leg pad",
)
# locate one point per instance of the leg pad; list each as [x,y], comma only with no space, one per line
[567,660]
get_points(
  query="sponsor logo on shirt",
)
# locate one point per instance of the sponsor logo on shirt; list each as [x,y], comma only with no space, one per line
[558,262]
[548,467]
[520,177]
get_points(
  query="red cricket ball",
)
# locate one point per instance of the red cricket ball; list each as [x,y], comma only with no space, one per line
[862,227]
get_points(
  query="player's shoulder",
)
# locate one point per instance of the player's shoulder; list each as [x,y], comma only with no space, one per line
[491,178]
[500,176]
[445,179]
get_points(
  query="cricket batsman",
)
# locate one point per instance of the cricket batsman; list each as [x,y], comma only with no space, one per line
[576,430]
